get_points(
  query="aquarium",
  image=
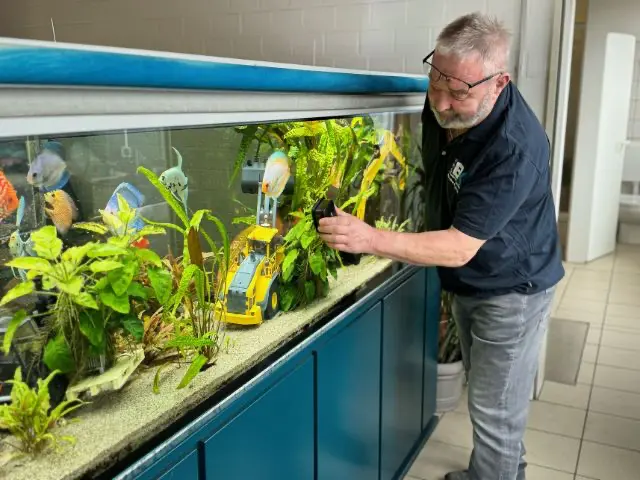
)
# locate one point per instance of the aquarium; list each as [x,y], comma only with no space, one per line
[148,258]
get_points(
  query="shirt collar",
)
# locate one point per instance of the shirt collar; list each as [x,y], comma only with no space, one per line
[480,131]
[484,128]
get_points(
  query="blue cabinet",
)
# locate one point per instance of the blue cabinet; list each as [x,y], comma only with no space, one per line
[354,401]
[402,373]
[432,321]
[185,468]
[273,438]
[348,373]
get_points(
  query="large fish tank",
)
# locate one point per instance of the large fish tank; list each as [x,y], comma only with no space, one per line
[158,250]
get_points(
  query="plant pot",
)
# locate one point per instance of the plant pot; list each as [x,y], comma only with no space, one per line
[449,387]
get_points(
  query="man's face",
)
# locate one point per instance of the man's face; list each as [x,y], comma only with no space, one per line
[444,94]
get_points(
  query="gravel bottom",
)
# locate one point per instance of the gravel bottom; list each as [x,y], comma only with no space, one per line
[117,422]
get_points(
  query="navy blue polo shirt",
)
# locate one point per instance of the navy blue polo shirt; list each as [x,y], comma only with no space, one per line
[494,183]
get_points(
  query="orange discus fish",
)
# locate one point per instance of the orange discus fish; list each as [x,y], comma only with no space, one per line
[61,209]
[8,197]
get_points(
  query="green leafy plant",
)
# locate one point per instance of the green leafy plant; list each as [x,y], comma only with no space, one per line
[391,224]
[94,288]
[199,278]
[345,159]
[307,265]
[29,417]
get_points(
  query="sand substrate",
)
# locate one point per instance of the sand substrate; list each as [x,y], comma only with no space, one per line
[116,423]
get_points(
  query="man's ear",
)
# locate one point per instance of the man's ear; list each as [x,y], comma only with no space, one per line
[502,81]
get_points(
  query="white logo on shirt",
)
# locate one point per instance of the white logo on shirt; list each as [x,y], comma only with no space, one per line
[455,174]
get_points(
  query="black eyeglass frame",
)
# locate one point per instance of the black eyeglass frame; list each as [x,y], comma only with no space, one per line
[425,61]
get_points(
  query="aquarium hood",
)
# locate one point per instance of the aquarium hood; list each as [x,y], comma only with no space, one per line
[51,88]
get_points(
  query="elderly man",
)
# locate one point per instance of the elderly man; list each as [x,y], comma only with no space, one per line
[492,232]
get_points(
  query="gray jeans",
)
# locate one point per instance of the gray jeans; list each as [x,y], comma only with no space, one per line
[500,338]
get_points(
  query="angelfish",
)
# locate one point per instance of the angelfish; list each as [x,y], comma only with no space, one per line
[176,181]
[276,175]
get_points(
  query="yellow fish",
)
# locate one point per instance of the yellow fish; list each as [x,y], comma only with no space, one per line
[60,208]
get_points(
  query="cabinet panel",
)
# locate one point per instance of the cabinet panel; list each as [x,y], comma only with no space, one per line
[273,438]
[349,401]
[402,372]
[185,468]
[432,321]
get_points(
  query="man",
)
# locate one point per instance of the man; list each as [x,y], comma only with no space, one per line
[491,231]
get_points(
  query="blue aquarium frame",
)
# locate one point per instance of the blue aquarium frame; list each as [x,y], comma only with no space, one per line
[352,397]
[43,63]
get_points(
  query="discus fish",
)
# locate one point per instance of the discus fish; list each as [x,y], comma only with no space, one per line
[60,208]
[48,169]
[135,200]
[276,175]
[176,181]
[8,197]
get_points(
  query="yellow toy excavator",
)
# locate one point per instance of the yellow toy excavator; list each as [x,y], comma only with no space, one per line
[252,282]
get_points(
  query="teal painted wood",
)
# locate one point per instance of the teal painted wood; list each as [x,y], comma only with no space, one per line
[402,373]
[273,438]
[348,386]
[432,320]
[206,427]
[187,468]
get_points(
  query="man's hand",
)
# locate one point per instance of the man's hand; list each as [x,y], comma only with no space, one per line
[347,233]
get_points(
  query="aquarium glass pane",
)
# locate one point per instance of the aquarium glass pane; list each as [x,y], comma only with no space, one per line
[370,165]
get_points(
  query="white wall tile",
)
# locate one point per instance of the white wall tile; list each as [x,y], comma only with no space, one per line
[319,19]
[257,23]
[227,25]
[341,43]
[353,17]
[386,14]
[308,45]
[287,22]
[240,6]
[386,64]
[375,43]
[456,8]
[274,4]
[422,14]
[355,62]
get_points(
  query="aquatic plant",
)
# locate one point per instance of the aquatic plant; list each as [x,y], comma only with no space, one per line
[94,288]
[199,278]
[29,417]
[391,224]
[344,159]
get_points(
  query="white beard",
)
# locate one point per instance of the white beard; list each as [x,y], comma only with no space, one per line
[460,123]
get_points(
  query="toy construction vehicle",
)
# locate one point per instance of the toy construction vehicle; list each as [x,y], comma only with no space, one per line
[257,254]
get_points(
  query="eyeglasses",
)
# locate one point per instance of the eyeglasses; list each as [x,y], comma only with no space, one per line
[458,89]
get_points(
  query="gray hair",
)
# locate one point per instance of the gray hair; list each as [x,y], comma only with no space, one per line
[476,33]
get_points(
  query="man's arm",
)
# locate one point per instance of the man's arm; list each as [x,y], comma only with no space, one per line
[485,205]
[446,248]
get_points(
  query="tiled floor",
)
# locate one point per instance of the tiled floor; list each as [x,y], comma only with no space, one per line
[587,431]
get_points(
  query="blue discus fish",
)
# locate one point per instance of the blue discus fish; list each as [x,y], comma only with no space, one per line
[133,197]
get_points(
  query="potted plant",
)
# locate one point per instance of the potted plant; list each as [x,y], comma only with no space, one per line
[450,367]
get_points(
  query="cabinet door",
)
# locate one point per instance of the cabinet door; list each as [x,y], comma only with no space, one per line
[185,468]
[402,372]
[348,369]
[273,438]
[432,321]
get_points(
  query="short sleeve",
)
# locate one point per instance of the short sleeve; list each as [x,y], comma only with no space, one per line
[488,200]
